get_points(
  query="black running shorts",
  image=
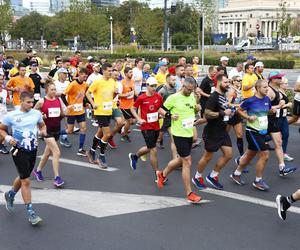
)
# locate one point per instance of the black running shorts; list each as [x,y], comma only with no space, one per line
[24,162]
[150,137]
[213,143]
[183,145]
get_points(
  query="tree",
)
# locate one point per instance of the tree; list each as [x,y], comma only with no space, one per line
[6,19]
[295,27]
[285,19]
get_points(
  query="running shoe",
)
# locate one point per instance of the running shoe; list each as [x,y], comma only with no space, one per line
[193,198]
[111,143]
[3,149]
[214,181]
[287,170]
[81,152]
[9,202]
[76,130]
[65,142]
[58,181]
[133,159]
[38,175]
[91,155]
[102,163]
[282,206]
[199,183]
[261,185]
[286,157]
[95,124]
[160,179]
[33,218]
[237,179]
[125,138]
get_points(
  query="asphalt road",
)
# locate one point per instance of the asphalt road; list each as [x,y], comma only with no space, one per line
[123,209]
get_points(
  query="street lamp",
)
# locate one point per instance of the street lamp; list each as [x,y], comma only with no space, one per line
[111,35]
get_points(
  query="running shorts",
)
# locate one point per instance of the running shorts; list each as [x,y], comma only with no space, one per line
[150,137]
[24,162]
[256,141]
[214,143]
[183,145]
[103,120]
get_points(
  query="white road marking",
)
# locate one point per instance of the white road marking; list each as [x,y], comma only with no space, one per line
[247,198]
[101,204]
[84,164]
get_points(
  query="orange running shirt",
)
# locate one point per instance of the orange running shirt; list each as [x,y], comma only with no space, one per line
[23,83]
[127,102]
[75,93]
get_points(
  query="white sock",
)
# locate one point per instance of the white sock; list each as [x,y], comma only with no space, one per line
[198,175]
[213,174]
[236,172]
[281,166]
[257,179]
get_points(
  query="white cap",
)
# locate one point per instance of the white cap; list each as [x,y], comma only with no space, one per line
[96,65]
[151,81]
[259,64]
[224,58]
[89,58]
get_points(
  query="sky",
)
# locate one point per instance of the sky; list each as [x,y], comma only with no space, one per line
[157,3]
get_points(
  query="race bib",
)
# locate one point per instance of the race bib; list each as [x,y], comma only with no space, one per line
[226,118]
[53,112]
[188,123]
[107,105]
[152,117]
[131,95]
[278,113]
[263,121]
[284,112]
[37,96]
[78,107]
[212,89]
[144,89]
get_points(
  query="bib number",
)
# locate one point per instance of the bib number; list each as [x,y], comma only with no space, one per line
[212,89]
[284,112]
[107,105]
[77,107]
[188,123]
[53,112]
[263,122]
[226,118]
[152,117]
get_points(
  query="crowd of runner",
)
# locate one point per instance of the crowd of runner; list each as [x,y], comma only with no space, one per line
[170,99]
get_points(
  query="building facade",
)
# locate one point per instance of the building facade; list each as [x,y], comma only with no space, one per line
[241,18]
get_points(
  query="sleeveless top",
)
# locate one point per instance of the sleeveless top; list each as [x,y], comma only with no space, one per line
[283,112]
[52,109]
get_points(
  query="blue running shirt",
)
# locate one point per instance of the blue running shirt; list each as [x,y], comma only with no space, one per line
[24,127]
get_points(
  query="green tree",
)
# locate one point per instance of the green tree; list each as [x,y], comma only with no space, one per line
[6,19]
[285,19]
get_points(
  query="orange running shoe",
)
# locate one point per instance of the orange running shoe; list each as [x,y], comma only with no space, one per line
[193,198]
[160,179]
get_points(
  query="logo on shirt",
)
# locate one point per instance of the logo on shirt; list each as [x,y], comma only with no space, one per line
[18,120]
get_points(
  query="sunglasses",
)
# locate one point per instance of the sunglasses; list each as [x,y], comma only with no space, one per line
[238,80]
[152,86]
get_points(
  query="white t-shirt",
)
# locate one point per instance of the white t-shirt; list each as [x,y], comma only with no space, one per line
[92,77]
[61,86]
[138,79]
[234,72]
[3,108]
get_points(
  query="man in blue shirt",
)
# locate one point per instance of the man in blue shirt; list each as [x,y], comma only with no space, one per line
[24,123]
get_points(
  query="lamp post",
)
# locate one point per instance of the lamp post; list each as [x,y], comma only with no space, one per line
[111,35]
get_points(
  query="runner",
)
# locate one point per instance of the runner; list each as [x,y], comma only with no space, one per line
[73,98]
[179,77]
[223,64]
[215,136]
[282,121]
[150,107]
[296,105]
[284,203]
[162,73]
[235,121]
[116,113]
[19,84]
[37,80]
[167,90]
[278,103]
[126,102]
[255,110]
[95,75]
[182,106]
[4,100]
[51,108]
[104,90]
[137,76]
[24,123]
[248,82]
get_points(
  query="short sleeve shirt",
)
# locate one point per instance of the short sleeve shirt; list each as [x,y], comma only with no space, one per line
[149,106]
[24,127]
[248,80]
[184,106]
[75,93]
[103,92]
[260,108]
